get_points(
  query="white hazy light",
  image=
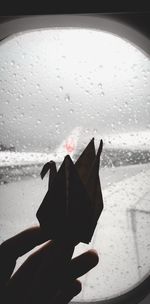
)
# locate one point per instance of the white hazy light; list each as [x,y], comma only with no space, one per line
[102,75]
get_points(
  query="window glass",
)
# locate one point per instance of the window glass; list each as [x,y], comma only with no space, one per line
[58,89]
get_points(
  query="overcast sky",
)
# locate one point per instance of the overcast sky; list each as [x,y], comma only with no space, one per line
[54,80]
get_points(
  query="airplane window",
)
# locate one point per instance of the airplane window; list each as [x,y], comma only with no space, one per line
[58,89]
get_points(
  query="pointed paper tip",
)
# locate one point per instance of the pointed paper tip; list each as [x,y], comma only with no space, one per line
[100,148]
[67,157]
[99,151]
[91,141]
[51,162]
[68,160]
[53,172]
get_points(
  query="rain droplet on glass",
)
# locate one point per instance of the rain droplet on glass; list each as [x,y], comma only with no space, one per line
[67,98]
[61,88]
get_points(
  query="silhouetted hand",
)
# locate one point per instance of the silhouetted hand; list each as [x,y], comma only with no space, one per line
[48,275]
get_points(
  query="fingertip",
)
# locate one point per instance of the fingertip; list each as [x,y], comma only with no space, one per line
[94,257]
[24,241]
[77,287]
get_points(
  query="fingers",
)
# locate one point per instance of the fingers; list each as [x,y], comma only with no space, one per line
[49,256]
[51,272]
[16,246]
[56,277]
[63,295]
[68,293]
[49,269]
[23,242]
[24,275]
[83,263]
[40,272]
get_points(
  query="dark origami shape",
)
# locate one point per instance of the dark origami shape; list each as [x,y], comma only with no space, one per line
[73,203]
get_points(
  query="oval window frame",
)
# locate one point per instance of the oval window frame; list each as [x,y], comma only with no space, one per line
[15,24]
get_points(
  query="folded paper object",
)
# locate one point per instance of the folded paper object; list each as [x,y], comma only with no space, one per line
[73,203]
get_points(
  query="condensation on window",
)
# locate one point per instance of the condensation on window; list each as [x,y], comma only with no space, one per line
[58,89]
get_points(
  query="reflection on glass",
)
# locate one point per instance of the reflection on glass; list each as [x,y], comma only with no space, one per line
[58,89]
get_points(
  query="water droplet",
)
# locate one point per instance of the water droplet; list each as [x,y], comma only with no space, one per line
[37,85]
[100,85]
[53,108]
[101,89]
[61,88]
[17,98]
[38,121]
[112,125]
[71,111]
[56,125]
[12,62]
[14,118]
[67,98]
